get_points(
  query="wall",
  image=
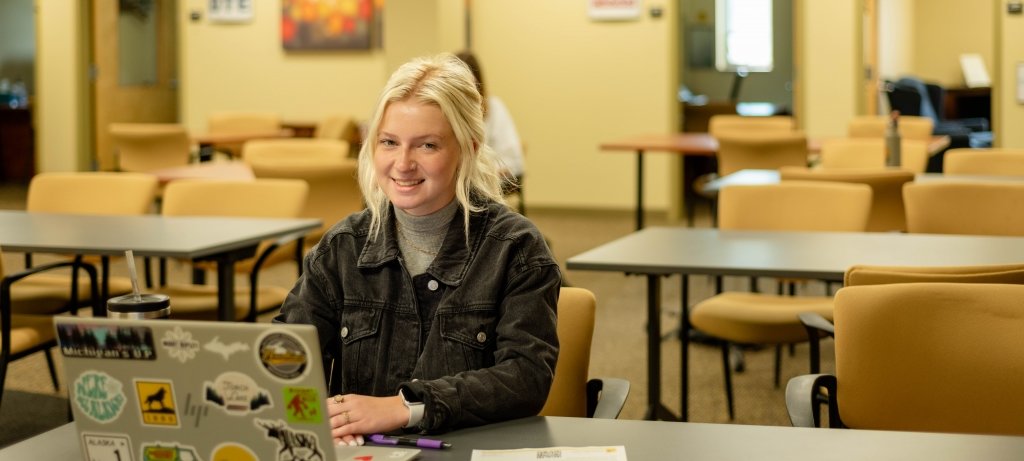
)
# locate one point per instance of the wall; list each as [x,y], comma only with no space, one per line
[895,38]
[17,42]
[828,65]
[62,124]
[945,29]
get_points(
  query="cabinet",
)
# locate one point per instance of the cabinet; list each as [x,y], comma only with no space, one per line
[17,145]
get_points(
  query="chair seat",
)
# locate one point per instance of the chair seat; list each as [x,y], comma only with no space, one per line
[199,302]
[29,331]
[757,318]
[44,294]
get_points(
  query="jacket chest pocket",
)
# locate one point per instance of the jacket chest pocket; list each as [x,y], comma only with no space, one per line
[360,345]
[468,339]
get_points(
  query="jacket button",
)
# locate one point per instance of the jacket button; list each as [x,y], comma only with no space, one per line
[432,285]
[481,337]
[344,332]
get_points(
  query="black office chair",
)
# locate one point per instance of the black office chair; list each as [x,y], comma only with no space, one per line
[912,96]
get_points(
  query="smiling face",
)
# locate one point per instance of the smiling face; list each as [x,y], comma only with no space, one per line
[416,157]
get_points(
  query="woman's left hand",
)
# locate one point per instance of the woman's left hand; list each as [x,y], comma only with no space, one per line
[352,416]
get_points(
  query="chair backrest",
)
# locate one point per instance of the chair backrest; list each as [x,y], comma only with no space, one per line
[335,126]
[97,193]
[887,212]
[976,208]
[863,274]
[150,146]
[568,395]
[294,149]
[870,153]
[1002,162]
[243,122]
[939,357]
[796,206]
[724,123]
[760,149]
[259,198]
[873,126]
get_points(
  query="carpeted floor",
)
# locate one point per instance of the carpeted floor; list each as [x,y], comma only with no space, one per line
[30,405]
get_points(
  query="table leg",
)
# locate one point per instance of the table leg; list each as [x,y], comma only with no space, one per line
[226,289]
[655,410]
[684,352]
[639,189]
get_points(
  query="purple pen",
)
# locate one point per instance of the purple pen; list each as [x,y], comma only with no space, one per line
[421,442]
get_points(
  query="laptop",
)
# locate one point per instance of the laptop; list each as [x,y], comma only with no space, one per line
[169,390]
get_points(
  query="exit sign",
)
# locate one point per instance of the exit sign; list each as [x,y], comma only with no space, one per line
[231,10]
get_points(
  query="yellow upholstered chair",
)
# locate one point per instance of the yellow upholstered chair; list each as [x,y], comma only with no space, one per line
[761,149]
[887,213]
[973,208]
[758,318]
[911,127]
[934,357]
[572,392]
[724,123]
[323,163]
[260,198]
[241,123]
[999,162]
[150,146]
[840,153]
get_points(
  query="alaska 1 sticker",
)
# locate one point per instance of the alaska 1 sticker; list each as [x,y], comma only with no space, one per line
[107,447]
[99,396]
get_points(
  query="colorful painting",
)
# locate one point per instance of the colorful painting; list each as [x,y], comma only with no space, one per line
[331,24]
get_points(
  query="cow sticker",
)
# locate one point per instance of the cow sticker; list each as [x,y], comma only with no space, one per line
[107,447]
[302,405]
[163,451]
[237,394]
[98,396]
[283,355]
[292,444]
[156,402]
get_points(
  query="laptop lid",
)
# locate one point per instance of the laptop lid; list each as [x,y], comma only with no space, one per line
[189,390]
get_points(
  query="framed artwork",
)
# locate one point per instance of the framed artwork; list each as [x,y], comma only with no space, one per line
[331,24]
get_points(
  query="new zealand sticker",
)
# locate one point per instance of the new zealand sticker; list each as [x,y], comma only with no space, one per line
[163,451]
[107,447]
[237,394]
[283,355]
[179,344]
[225,350]
[156,402]
[232,452]
[106,341]
[99,396]
[292,444]
[302,405]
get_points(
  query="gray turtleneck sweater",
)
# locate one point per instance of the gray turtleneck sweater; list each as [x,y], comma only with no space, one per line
[420,237]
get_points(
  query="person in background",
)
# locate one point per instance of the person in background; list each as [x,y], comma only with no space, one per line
[435,306]
[501,130]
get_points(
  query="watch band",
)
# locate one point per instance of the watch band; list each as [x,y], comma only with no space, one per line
[415,410]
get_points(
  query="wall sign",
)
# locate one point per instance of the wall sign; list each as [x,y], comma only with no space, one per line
[231,10]
[613,10]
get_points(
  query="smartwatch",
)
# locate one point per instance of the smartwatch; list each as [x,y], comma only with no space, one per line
[415,408]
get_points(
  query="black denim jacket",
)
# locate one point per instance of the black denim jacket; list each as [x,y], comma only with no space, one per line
[473,338]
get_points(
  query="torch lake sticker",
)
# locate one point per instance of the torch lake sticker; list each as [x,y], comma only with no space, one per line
[283,355]
[302,405]
[237,394]
[106,341]
[107,447]
[232,452]
[99,396]
[156,402]
[299,444]
[179,344]
[163,451]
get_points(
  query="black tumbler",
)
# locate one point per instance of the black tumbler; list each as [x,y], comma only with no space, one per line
[151,306]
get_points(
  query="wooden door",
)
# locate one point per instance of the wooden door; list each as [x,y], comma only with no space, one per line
[144,90]
[869,31]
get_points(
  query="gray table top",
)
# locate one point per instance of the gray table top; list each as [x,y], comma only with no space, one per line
[148,235]
[659,440]
[814,255]
[756,177]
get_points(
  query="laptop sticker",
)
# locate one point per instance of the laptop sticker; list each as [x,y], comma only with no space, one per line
[237,394]
[292,444]
[179,344]
[232,452]
[283,355]
[163,451]
[156,402]
[225,350]
[302,405]
[106,341]
[99,396]
[107,447]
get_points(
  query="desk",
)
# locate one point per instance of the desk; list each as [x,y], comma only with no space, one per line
[658,251]
[223,240]
[754,177]
[700,145]
[208,140]
[655,440]
[234,170]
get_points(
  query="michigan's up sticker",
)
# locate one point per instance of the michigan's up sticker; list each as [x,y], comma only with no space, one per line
[283,355]
[106,341]
[237,394]
[156,402]
[107,447]
[99,396]
[302,405]
[163,451]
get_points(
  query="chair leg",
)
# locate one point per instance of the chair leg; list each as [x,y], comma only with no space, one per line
[728,378]
[53,369]
[778,363]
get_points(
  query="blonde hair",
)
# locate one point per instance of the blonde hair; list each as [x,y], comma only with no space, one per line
[445,82]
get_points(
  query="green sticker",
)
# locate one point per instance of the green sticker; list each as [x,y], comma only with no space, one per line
[302,404]
[99,396]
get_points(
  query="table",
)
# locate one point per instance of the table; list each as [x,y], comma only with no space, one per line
[695,145]
[234,170]
[657,440]
[658,251]
[222,240]
[755,177]
[208,140]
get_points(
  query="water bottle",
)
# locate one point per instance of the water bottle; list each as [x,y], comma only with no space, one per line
[892,140]
[19,95]
[139,307]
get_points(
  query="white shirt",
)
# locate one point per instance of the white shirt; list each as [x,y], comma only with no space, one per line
[503,137]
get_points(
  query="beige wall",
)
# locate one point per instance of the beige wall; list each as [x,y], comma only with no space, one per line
[895,38]
[61,129]
[828,65]
[1007,111]
[945,29]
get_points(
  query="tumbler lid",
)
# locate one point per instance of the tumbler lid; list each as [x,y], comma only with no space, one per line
[148,306]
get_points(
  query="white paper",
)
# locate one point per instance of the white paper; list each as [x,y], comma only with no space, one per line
[611,453]
[975,74]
